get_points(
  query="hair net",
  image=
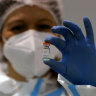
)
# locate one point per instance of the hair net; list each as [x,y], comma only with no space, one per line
[53,6]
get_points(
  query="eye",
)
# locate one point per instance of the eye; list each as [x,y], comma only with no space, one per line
[18,28]
[44,27]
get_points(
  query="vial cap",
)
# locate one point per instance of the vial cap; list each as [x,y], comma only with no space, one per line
[46,43]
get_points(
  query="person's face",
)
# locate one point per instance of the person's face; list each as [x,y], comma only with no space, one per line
[25,18]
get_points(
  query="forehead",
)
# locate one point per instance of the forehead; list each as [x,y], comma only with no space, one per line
[30,12]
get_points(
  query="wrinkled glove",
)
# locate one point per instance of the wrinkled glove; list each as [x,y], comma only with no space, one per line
[78,63]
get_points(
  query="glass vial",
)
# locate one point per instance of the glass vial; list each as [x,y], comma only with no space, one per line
[46,51]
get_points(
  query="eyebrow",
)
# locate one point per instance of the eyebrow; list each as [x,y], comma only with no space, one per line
[45,19]
[22,21]
[16,21]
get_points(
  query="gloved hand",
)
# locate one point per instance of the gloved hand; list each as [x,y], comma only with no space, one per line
[78,63]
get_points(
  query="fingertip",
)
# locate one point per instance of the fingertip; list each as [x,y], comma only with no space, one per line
[47,62]
[69,24]
[86,19]
[53,29]
[65,22]
[87,23]
[50,39]
[57,29]
[47,39]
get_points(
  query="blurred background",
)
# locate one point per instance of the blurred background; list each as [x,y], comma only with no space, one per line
[75,9]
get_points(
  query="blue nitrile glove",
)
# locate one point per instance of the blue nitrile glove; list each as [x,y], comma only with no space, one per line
[78,63]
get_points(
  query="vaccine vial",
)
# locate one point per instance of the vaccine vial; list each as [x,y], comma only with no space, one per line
[46,51]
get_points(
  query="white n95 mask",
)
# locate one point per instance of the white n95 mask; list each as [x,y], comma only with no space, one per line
[24,51]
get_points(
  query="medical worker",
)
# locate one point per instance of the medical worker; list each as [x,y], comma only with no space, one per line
[24,24]
[77,68]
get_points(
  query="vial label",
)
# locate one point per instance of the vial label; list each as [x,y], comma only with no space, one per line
[46,51]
